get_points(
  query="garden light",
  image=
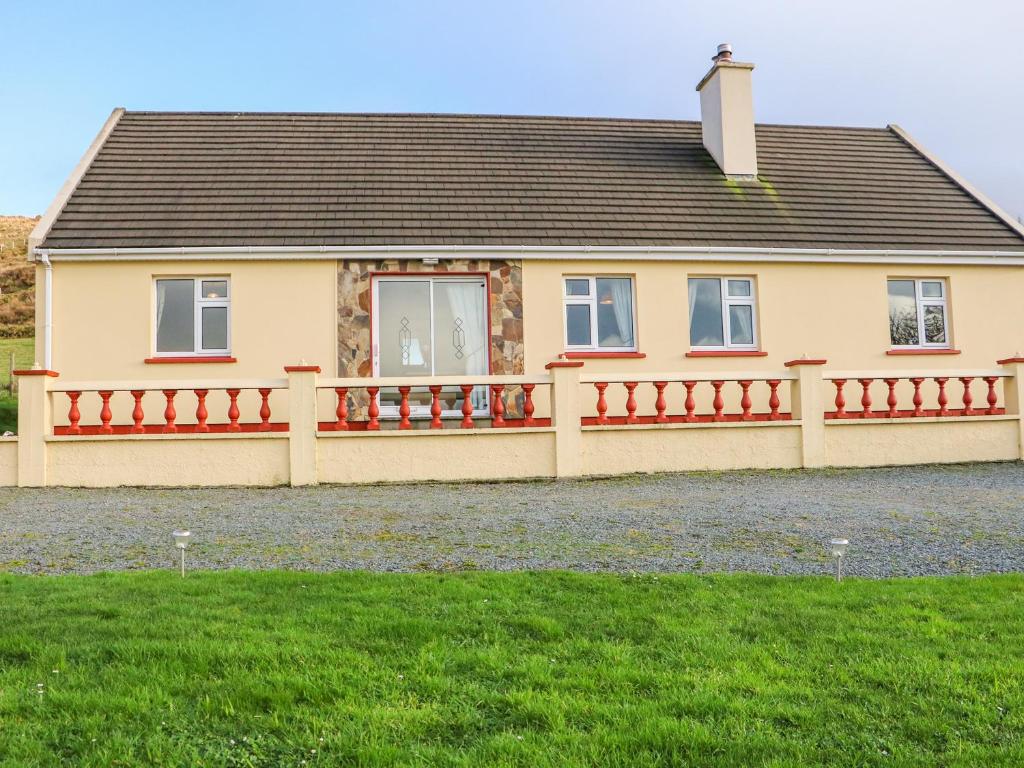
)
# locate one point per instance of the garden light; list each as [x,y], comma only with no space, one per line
[181,539]
[838,552]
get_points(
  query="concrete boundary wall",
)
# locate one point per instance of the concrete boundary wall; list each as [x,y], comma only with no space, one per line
[310,450]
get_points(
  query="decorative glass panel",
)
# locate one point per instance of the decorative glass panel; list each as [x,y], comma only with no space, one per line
[577,325]
[741,324]
[215,289]
[614,312]
[577,287]
[931,289]
[404,344]
[460,328]
[215,327]
[739,288]
[175,316]
[903,329]
[706,312]
[934,324]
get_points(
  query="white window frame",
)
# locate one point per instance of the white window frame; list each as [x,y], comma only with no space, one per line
[923,301]
[728,301]
[199,302]
[591,301]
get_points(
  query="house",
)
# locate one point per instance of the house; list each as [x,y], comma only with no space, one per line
[188,251]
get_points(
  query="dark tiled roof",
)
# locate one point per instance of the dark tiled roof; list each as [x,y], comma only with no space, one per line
[207,179]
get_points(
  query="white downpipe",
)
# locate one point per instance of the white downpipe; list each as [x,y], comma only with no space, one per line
[47,312]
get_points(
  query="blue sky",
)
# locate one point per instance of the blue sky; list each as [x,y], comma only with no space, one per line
[946,71]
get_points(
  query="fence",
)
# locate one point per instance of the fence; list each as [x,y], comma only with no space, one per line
[305,429]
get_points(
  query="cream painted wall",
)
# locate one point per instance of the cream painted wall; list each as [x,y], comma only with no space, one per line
[104,316]
[835,311]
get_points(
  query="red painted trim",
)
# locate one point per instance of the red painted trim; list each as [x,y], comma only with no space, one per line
[36,372]
[564,364]
[922,352]
[792,363]
[910,414]
[604,355]
[451,423]
[726,353]
[158,429]
[998,362]
[438,273]
[190,359]
[302,369]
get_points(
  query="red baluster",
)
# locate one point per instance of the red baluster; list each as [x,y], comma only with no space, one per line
[528,406]
[943,400]
[891,400]
[264,411]
[745,401]
[690,403]
[865,399]
[201,413]
[840,398]
[403,409]
[497,393]
[659,404]
[74,415]
[435,407]
[718,402]
[602,404]
[917,382]
[341,412]
[773,399]
[169,413]
[137,413]
[233,413]
[372,410]
[992,397]
[631,417]
[968,398]
[467,406]
[105,414]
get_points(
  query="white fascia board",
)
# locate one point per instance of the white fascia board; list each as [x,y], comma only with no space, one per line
[42,227]
[960,181]
[541,253]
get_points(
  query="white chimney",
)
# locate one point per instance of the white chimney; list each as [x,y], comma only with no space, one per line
[727,115]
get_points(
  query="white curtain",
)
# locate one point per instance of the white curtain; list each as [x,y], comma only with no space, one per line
[742,317]
[622,298]
[693,303]
[466,301]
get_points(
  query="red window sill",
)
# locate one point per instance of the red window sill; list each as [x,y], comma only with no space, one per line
[923,352]
[603,355]
[192,359]
[726,353]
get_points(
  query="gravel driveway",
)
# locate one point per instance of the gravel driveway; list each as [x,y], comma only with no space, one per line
[908,521]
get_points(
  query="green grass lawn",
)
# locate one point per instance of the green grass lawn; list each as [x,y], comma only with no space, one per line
[525,669]
[24,356]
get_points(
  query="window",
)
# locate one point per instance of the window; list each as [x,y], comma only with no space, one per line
[722,314]
[599,314]
[192,316]
[918,314]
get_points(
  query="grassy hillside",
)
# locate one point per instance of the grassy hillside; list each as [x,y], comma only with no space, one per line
[17,278]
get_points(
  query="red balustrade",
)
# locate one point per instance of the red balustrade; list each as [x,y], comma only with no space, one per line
[372,410]
[341,412]
[659,404]
[773,399]
[498,405]
[528,406]
[942,399]
[233,412]
[718,403]
[865,399]
[74,415]
[992,397]
[105,414]
[403,408]
[631,417]
[264,411]
[690,405]
[602,404]
[891,400]
[968,399]
[137,413]
[467,406]
[435,407]
[201,413]
[840,399]
[169,413]
[745,402]
[918,400]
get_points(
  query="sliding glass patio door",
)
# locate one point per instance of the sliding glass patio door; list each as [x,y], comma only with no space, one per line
[430,326]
